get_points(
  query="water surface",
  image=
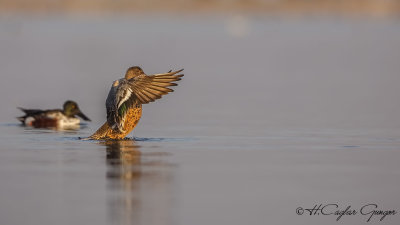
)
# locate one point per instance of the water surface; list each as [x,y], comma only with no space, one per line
[271,116]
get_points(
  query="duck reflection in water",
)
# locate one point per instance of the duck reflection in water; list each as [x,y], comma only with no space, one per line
[139,185]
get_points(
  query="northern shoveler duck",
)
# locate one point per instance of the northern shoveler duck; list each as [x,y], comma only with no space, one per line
[53,118]
[125,99]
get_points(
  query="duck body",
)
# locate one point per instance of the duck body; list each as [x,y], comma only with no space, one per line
[107,132]
[53,118]
[126,97]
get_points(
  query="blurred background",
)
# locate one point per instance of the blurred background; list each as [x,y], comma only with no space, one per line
[360,7]
[297,63]
[284,103]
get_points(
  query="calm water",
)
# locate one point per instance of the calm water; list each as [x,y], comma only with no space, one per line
[273,114]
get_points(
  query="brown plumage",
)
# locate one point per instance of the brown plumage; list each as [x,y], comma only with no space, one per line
[125,99]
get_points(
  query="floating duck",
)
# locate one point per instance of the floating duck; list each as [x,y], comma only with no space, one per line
[53,117]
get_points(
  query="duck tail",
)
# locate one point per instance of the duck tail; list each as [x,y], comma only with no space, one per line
[21,119]
[22,109]
[102,132]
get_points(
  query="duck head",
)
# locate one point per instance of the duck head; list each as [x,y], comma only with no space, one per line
[71,109]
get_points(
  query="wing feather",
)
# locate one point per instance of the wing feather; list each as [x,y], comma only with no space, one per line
[125,94]
[120,99]
[160,89]
[148,88]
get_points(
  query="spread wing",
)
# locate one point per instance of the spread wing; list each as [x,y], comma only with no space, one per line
[125,94]
[149,88]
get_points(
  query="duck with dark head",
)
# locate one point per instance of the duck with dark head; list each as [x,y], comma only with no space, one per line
[53,117]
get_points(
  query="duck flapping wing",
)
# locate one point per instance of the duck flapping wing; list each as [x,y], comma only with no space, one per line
[125,94]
